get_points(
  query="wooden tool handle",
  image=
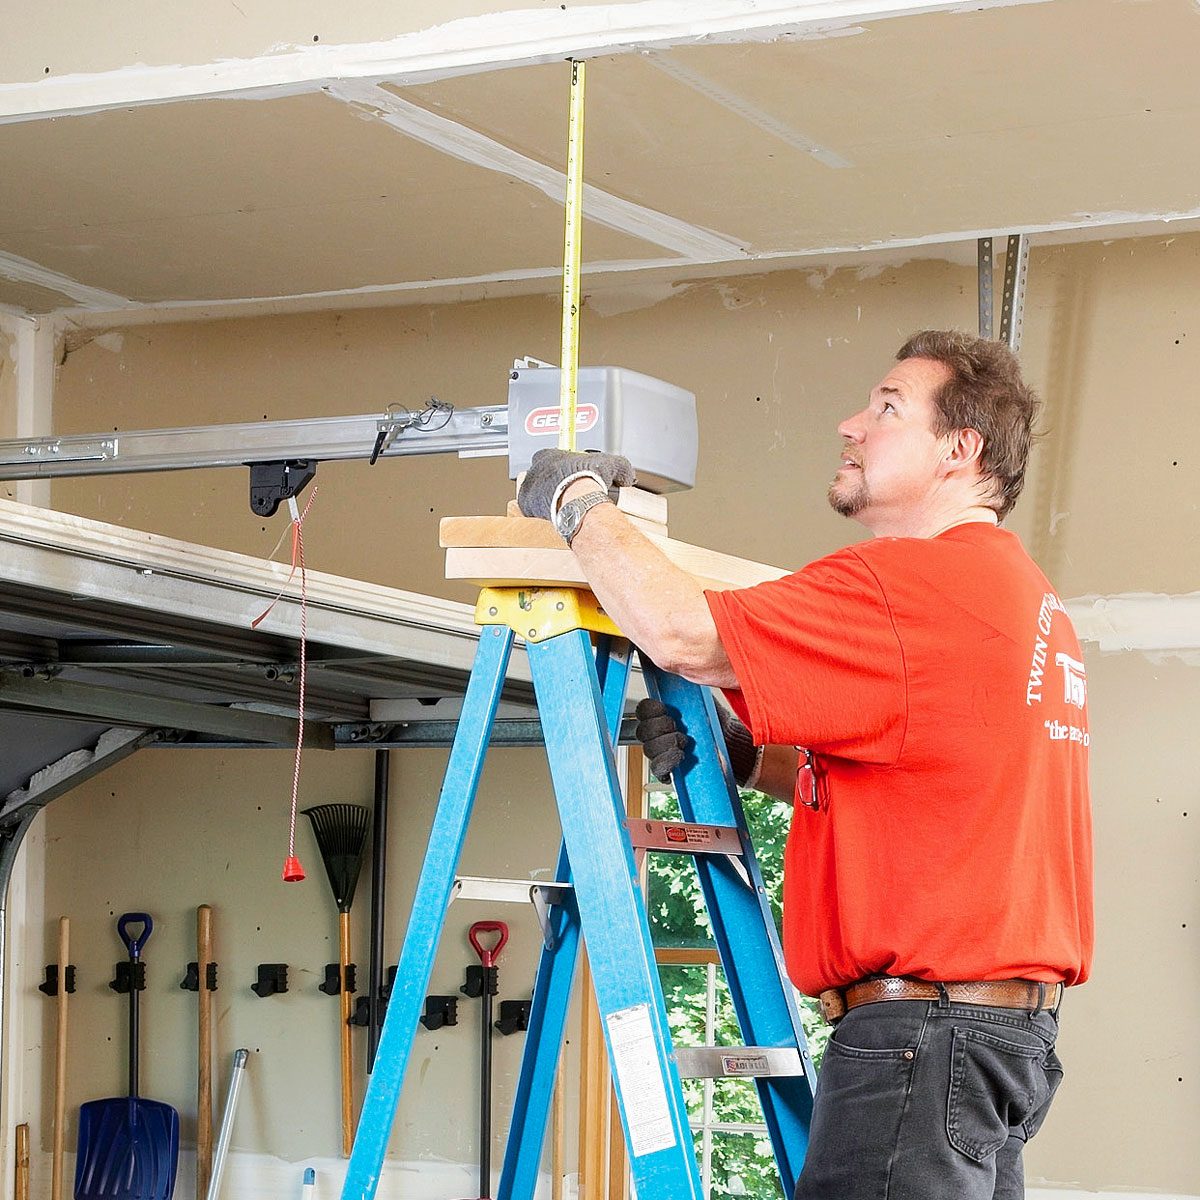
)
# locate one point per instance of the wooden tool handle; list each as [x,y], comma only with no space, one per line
[60,1062]
[21,1176]
[204,1136]
[557,1126]
[347,1079]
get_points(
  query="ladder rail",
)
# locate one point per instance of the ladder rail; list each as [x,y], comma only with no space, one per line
[554,982]
[581,694]
[753,959]
[430,900]
[613,920]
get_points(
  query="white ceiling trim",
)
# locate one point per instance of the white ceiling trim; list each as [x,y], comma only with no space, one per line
[1138,621]
[747,111]
[417,291]
[22,270]
[516,38]
[959,247]
[461,142]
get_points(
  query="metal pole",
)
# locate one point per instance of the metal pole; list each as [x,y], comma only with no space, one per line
[485,1091]
[378,887]
[1012,307]
[227,1118]
[986,316]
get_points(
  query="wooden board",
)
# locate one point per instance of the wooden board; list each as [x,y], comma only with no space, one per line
[510,551]
[647,511]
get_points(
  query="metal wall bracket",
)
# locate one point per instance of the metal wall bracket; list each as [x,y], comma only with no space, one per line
[1012,300]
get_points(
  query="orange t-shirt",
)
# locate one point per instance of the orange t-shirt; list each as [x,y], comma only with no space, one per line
[940,686]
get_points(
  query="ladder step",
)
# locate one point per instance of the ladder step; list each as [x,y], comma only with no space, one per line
[737,1062]
[680,837]
[514,891]
[506,891]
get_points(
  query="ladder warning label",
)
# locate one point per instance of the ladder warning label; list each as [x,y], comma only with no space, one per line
[639,1077]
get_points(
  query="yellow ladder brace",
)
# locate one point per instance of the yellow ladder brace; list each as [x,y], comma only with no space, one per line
[540,613]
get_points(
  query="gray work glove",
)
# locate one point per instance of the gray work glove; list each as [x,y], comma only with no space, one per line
[551,471]
[661,740]
[665,746]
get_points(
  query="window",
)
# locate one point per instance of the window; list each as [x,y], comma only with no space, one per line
[732,1146]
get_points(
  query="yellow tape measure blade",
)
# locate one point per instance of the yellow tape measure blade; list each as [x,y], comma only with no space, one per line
[572,260]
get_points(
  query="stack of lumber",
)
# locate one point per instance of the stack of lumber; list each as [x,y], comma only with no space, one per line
[514,550]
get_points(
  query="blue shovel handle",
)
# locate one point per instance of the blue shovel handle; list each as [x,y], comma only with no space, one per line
[134,944]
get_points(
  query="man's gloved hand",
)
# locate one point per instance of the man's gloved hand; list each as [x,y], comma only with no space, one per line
[665,745]
[660,737]
[551,471]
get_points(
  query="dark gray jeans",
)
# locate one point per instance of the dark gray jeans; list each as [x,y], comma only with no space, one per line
[921,1100]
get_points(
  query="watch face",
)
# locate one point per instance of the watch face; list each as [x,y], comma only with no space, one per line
[568,521]
[570,516]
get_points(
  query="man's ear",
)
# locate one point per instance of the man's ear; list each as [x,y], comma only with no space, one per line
[964,448]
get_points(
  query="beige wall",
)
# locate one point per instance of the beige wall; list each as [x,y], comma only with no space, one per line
[775,360]
[8,385]
[169,830]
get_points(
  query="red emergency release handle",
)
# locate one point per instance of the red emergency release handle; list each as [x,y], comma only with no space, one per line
[488,955]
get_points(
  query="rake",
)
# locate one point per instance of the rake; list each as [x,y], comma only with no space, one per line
[341,833]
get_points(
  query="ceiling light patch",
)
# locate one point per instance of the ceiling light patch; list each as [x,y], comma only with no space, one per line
[747,111]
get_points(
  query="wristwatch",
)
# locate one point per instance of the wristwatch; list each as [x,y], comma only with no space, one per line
[569,518]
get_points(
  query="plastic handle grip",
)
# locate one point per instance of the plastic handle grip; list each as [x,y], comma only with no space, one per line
[488,955]
[134,944]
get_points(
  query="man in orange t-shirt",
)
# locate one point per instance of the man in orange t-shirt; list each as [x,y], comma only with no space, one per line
[923,698]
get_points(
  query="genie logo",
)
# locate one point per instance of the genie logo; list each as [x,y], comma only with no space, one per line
[543,421]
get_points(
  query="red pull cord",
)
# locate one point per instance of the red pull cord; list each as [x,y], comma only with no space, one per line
[293,872]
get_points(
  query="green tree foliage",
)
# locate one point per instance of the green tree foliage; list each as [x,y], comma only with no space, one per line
[742,1163]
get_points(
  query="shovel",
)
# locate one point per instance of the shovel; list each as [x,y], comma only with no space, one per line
[489,958]
[128,1147]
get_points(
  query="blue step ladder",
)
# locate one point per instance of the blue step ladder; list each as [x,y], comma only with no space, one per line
[580,666]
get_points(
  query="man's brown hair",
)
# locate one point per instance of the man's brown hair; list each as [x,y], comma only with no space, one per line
[985,392]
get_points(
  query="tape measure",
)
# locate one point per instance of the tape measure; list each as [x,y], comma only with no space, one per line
[572,246]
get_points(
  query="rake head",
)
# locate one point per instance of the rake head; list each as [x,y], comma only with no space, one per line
[341,833]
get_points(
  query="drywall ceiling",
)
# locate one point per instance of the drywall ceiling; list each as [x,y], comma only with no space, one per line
[757,149]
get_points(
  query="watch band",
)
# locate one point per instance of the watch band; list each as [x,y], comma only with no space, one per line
[569,518]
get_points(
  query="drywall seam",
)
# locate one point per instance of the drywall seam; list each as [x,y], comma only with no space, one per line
[468,145]
[22,270]
[434,291]
[522,37]
[747,111]
[1162,626]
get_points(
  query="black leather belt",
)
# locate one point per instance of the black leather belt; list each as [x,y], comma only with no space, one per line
[1024,994]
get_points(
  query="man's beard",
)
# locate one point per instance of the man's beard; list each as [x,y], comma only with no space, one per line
[849,500]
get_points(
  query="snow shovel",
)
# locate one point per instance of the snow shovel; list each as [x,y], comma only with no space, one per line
[128,1147]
